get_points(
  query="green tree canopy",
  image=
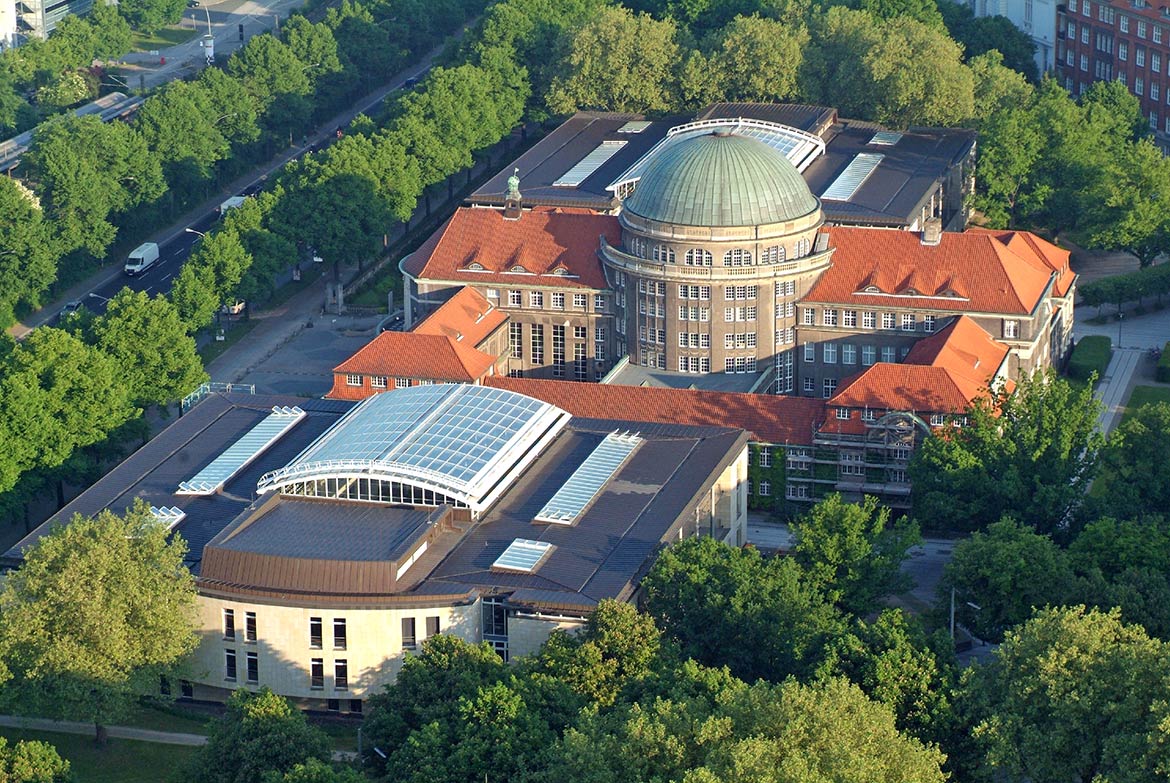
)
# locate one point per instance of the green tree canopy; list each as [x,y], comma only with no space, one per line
[148,341]
[315,771]
[1031,454]
[979,35]
[150,15]
[260,734]
[1076,695]
[1008,572]
[98,611]
[618,61]
[758,60]
[1135,474]
[179,125]
[730,607]
[852,553]
[32,762]
[213,271]
[28,257]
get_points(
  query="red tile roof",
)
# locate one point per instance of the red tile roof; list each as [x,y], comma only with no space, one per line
[468,317]
[410,355]
[770,418]
[546,246]
[943,373]
[981,271]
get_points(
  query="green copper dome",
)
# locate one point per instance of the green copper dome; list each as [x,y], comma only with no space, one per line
[721,179]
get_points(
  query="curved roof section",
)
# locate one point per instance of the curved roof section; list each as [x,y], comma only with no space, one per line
[721,179]
[458,440]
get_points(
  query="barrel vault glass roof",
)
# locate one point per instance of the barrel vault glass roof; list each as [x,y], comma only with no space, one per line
[799,147]
[454,439]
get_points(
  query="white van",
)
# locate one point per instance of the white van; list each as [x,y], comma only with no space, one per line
[231,203]
[141,259]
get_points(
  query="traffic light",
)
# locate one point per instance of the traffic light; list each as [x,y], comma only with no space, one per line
[241,28]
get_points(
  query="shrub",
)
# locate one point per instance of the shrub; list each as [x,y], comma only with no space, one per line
[1163,372]
[1091,355]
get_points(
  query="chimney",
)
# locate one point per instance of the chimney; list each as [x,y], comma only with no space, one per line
[932,231]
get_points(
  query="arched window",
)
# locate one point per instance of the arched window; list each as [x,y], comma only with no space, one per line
[697,256]
[664,254]
[773,255]
[802,248]
[737,257]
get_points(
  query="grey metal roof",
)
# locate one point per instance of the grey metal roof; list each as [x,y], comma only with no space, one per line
[721,179]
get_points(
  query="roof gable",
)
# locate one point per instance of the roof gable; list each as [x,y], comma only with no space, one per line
[467,318]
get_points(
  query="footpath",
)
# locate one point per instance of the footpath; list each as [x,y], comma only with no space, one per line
[124,732]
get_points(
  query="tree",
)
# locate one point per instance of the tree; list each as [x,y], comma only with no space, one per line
[28,257]
[150,15]
[788,733]
[213,271]
[1011,144]
[1007,572]
[758,60]
[618,645]
[236,111]
[997,87]
[269,68]
[1031,453]
[925,11]
[979,35]
[86,170]
[149,342]
[313,45]
[179,125]
[98,611]
[1135,475]
[730,607]
[32,762]
[852,553]
[893,662]
[315,771]
[259,734]
[618,61]
[1128,210]
[1076,695]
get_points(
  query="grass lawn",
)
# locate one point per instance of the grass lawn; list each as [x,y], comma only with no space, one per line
[1145,395]
[161,39]
[177,717]
[120,761]
[232,336]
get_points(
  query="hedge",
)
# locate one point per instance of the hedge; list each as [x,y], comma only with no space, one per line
[1131,287]
[1091,355]
[1163,373]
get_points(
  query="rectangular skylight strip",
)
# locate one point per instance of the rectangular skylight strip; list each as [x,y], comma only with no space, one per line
[635,126]
[571,500]
[886,138]
[523,555]
[850,180]
[589,164]
[238,455]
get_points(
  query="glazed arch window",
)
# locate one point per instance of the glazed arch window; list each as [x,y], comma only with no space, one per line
[737,256]
[697,256]
[664,254]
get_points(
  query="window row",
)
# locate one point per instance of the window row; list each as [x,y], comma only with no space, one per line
[694,340]
[251,666]
[907,322]
[739,364]
[848,353]
[739,292]
[701,292]
[696,256]
[556,300]
[383,382]
[694,364]
[340,674]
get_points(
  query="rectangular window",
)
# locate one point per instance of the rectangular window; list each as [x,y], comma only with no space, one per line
[843,413]
[314,633]
[353,380]
[580,332]
[1139,86]
[341,674]
[558,301]
[1124,22]
[810,385]
[1122,52]
[1141,29]
[514,298]
[402,383]
[1155,94]
[868,320]
[830,386]
[495,617]
[378,381]
[229,665]
[887,353]
[317,673]
[536,299]
[432,626]
[1084,62]
[229,624]
[1157,34]
[830,317]
[408,640]
[928,323]
[1155,63]
[493,294]
[599,303]
[249,626]
[537,344]
[868,355]
[1085,11]
[848,353]
[765,457]
[809,316]
[1084,33]
[580,301]
[1072,6]
[1011,330]
[887,320]
[830,352]
[729,314]
[907,322]
[516,340]
[339,639]
[253,661]
[849,318]
[765,489]
[810,352]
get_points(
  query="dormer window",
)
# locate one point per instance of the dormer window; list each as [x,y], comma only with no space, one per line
[872,289]
[518,270]
[843,413]
[475,266]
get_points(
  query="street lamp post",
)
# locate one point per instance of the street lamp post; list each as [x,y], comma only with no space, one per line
[190,230]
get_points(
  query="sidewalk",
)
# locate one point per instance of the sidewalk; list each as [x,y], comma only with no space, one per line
[124,732]
[1116,386]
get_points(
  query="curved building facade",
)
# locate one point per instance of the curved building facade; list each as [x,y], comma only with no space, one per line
[719,241]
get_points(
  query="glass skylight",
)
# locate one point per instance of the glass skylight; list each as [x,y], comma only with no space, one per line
[168,515]
[635,126]
[523,555]
[575,495]
[847,183]
[242,452]
[589,164]
[886,138]
[457,440]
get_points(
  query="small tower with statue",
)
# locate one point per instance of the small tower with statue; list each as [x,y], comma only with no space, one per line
[512,197]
